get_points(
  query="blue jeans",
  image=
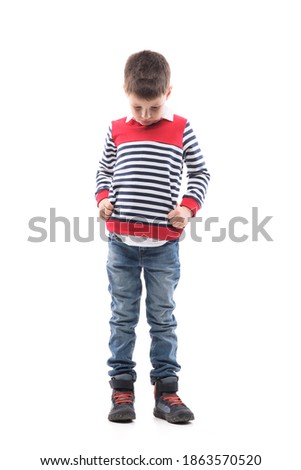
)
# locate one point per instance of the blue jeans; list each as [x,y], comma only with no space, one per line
[161,269]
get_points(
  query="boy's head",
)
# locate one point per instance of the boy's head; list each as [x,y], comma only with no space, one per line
[146,75]
[147,85]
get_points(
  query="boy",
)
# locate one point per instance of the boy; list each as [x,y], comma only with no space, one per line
[138,184]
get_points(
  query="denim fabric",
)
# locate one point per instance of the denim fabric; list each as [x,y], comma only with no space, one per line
[161,269]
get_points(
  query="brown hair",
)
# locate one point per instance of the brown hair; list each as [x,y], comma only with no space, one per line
[147,75]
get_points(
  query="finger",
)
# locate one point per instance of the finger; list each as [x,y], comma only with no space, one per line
[104,214]
[109,206]
[172,214]
[108,212]
[178,222]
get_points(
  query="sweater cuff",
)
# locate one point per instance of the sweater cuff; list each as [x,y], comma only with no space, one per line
[192,204]
[103,194]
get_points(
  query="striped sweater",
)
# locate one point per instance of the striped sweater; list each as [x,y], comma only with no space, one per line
[141,173]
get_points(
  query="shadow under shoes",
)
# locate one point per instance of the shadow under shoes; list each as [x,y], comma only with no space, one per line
[168,405]
[123,398]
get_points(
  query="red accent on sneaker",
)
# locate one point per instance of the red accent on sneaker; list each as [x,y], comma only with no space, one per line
[172,399]
[122,397]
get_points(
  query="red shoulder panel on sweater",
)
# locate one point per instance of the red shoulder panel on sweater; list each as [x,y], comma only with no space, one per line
[164,131]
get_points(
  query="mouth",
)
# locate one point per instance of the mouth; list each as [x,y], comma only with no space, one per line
[145,123]
[148,123]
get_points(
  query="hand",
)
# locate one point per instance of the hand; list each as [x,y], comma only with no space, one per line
[179,216]
[105,209]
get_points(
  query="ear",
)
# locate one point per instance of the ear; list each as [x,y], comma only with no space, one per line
[169,92]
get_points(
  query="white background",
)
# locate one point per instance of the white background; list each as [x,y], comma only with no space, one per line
[236,77]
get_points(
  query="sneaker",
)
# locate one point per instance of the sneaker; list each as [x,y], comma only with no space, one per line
[169,405]
[123,398]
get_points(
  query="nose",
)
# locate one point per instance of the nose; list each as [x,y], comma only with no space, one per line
[145,113]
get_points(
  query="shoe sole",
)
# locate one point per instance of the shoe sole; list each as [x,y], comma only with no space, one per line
[122,417]
[179,418]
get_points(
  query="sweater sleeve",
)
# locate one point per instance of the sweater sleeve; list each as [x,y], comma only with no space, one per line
[104,173]
[197,173]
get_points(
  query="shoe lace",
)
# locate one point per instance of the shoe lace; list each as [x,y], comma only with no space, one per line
[122,397]
[172,399]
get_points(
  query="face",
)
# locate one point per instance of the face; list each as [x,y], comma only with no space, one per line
[147,112]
